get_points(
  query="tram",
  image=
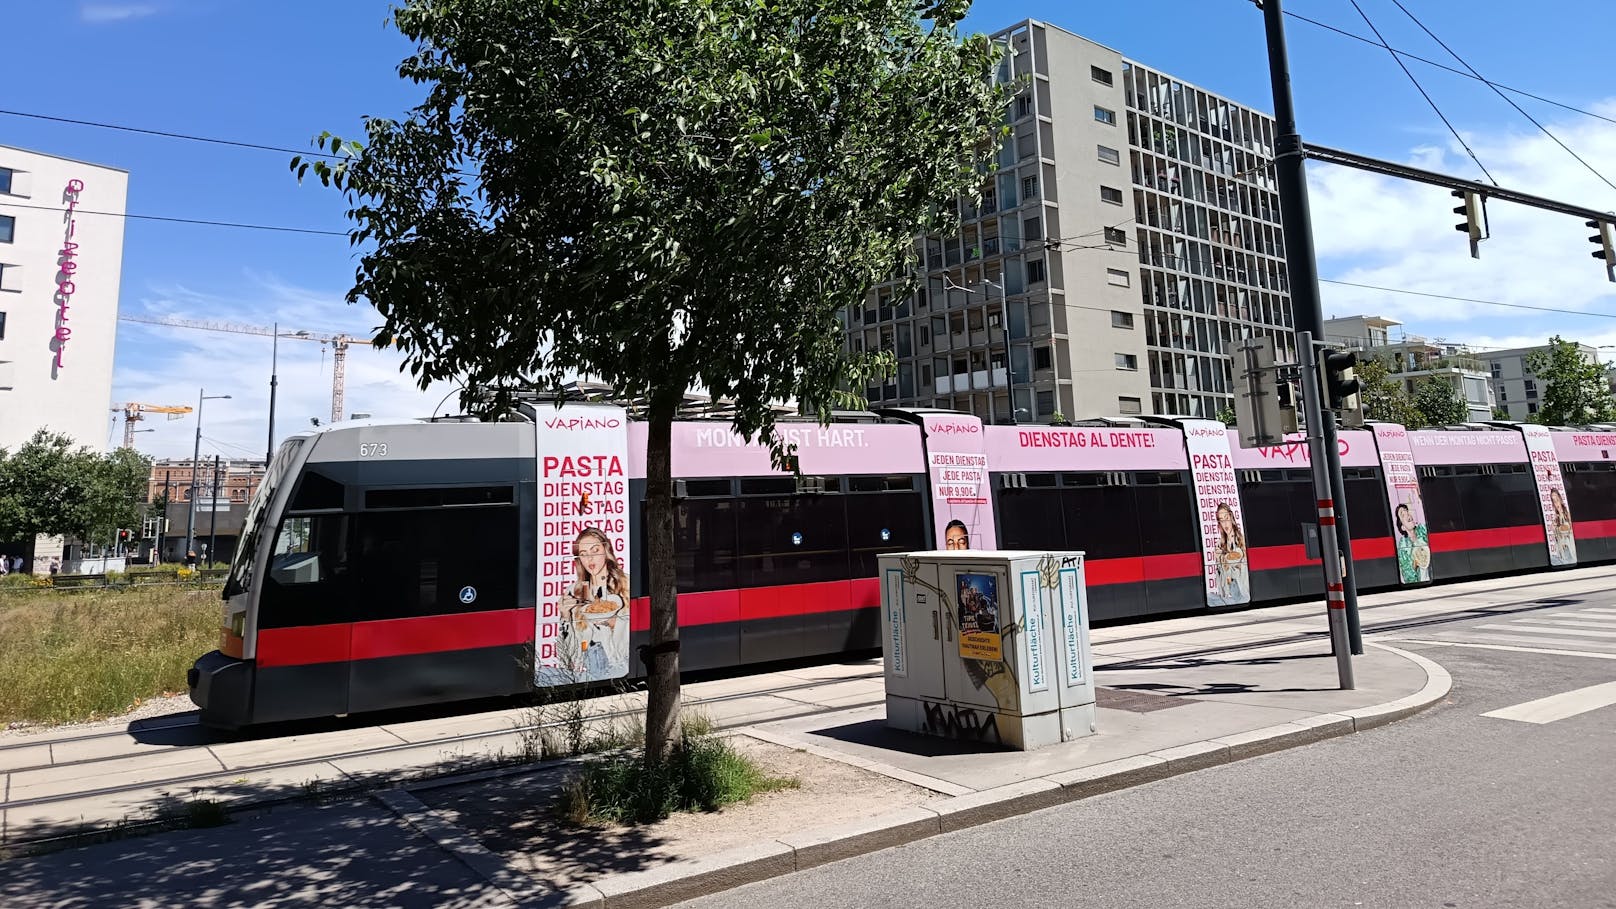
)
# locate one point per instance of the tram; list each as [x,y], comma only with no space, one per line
[387,564]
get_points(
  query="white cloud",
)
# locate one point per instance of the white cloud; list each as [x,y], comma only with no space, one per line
[1394,233]
[103,13]
[169,365]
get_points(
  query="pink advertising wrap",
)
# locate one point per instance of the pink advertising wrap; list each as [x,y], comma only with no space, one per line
[957,462]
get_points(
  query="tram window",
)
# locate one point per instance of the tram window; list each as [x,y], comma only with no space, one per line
[1167,522]
[793,540]
[1085,479]
[880,484]
[768,486]
[1271,513]
[1444,510]
[438,496]
[703,489]
[309,576]
[886,522]
[704,545]
[307,550]
[1103,521]
[437,561]
[316,492]
[1591,492]
[1030,519]
[1039,480]
[1366,505]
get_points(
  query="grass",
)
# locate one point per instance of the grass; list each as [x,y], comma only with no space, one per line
[68,657]
[705,773]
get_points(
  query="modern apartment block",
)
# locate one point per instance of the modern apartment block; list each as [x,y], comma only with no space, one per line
[1515,384]
[1128,230]
[1411,359]
[61,257]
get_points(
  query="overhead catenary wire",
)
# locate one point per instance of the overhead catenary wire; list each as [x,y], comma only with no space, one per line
[1443,66]
[1428,100]
[173,220]
[1507,99]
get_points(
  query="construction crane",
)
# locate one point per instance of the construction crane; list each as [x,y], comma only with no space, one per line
[135,411]
[339,346]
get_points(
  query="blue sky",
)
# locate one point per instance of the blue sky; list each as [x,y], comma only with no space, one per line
[279,73]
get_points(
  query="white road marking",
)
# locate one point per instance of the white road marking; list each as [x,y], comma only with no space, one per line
[1559,706]
[1513,649]
[1570,631]
[1568,622]
[1610,609]
[1535,641]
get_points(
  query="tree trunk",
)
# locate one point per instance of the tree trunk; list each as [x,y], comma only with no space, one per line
[662,664]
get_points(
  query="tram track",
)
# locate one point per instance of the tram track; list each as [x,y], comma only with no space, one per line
[441,742]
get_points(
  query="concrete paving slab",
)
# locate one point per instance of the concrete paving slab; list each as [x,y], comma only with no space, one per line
[976,766]
[447,757]
[97,775]
[676,882]
[111,746]
[300,747]
[826,693]
[836,670]
[16,758]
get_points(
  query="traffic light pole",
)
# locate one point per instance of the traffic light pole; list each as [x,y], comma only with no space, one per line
[1302,267]
[1320,440]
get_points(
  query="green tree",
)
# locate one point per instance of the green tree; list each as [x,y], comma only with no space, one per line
[49,486]
[1501,413]
[1439,402]
[661,195]
[1383,397]
[1577,391]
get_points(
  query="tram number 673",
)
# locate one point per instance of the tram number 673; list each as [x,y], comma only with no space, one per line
[373,449]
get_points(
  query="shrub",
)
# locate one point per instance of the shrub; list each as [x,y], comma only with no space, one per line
[704,773]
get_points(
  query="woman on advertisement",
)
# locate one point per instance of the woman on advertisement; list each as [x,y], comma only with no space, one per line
[594,611]
[1565,541]
[1413,547]
[1230,558]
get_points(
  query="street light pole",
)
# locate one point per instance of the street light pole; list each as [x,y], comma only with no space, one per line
[196,456]
[1009,356]
[274,358]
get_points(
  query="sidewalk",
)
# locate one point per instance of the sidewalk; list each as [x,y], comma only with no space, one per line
[487,839]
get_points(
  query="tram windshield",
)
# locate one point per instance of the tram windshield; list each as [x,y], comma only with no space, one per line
[253,524]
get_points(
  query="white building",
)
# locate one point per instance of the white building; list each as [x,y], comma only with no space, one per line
[1411,359]
[61,255]
[1515,382]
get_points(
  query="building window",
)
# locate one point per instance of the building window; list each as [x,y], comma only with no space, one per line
[1532,407]
[5,180]
[1121,319]
[1503,393]
[1035,271]
[1111,194]
[1046,403]
[1116,236]
[1129,405]
[1032,228]
[2,326]
[1024,106]
[1042,358]
[1105,115]
[1116,277]
[8,228]
[1029,188]
[1102,76]
[1108,154]
[1127,361]
[1531,388]
[1498,369]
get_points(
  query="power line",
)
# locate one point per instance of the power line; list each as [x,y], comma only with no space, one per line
[201,221]
[1458,72]
[1506,98]
[1421,293]
[164,134]
[1443,117]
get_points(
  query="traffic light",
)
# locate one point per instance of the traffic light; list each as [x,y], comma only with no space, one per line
[1340,386]
[123,536]
[1606,240]
[1265,409]
[1474,217]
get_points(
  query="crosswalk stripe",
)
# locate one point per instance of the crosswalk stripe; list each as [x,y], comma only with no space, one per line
[1566,622]
[1514,649]
[1587,617]
[1532,630]
[1526,639]
[1598,609]
[1559,706]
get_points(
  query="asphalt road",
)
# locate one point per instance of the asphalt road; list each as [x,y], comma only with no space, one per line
[1448,809]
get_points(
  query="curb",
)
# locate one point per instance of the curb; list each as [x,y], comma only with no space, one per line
[678,881]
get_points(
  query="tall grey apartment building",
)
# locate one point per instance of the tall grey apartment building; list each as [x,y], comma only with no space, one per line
[1129,228]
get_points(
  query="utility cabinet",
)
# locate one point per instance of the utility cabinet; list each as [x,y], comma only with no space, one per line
[989,646]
